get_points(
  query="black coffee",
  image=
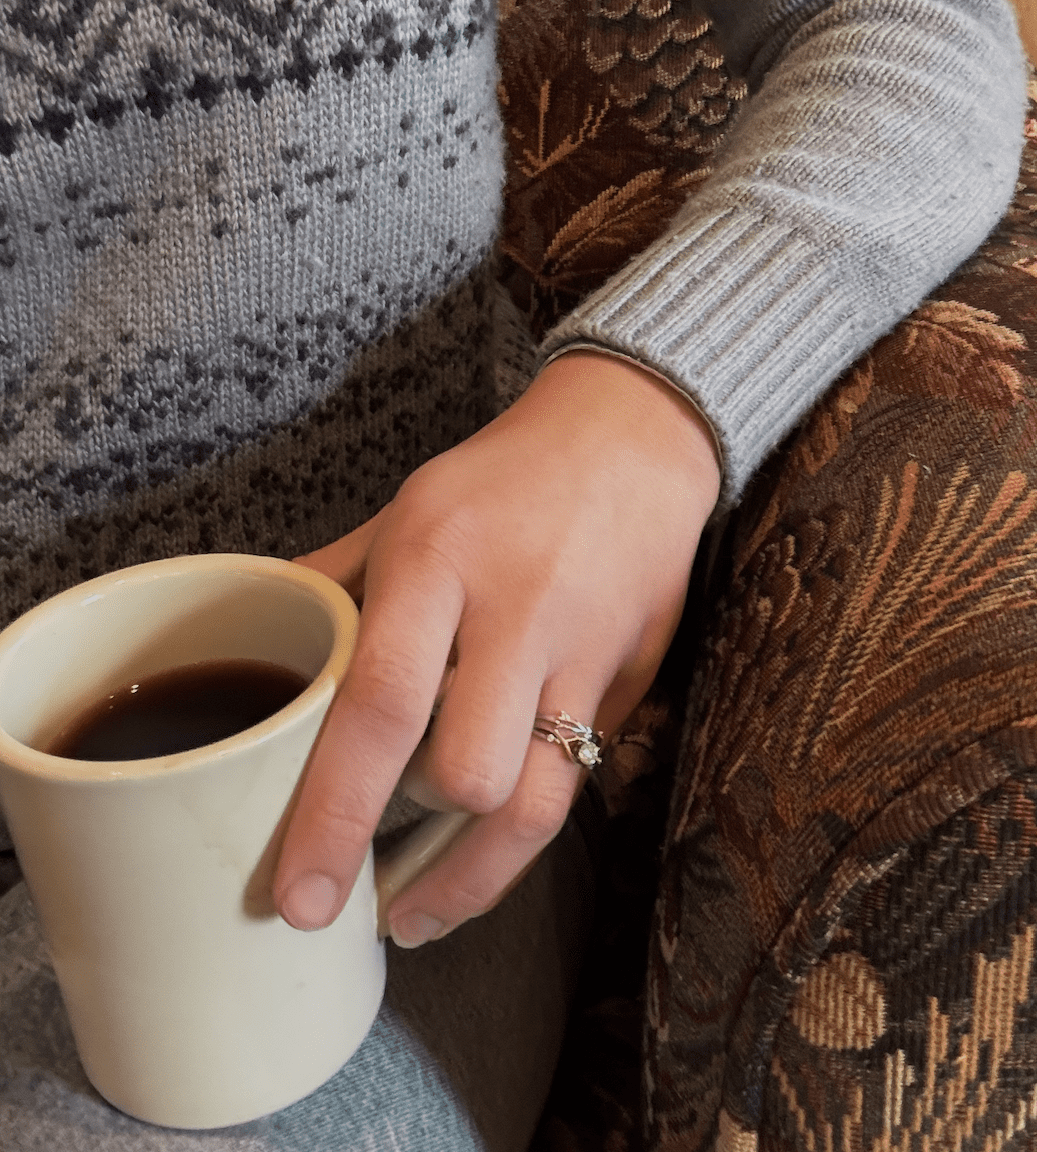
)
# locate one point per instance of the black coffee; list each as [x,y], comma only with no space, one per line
[180,709]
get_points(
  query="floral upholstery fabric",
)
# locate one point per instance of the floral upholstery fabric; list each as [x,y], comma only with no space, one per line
[612,110]
[822,843]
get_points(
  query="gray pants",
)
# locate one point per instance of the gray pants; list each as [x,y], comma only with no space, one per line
[460,1057]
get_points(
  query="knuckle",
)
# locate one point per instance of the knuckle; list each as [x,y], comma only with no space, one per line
[388,687]
[472,785]
[538,816]
[338,822]
[428,529]
[462,901]
[437,549]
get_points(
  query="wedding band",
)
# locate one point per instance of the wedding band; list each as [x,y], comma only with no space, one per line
[581,744]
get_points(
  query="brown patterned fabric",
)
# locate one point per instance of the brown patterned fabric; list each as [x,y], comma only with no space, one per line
[869,674]
[931,955]
[612,110]
[917,1025]
[841,954]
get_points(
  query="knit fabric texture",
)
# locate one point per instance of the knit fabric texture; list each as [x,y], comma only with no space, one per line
[247,251]
[879,147]
[245,266]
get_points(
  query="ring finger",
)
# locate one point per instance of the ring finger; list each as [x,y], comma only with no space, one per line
[497,847]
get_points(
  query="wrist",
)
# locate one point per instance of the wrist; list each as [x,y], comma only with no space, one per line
[639,407]
[687,399]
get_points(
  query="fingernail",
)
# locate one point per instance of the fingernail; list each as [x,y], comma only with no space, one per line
[413,929]
[310,902]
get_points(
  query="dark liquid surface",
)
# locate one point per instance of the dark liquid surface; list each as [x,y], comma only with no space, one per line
[180,709]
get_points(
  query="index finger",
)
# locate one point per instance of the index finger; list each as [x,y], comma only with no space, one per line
[407,626]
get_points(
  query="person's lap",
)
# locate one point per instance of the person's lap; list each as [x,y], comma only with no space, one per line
[459,1058]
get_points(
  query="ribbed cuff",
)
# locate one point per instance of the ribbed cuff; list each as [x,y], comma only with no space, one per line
[741,315]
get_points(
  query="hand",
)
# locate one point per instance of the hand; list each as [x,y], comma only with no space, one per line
[551,553]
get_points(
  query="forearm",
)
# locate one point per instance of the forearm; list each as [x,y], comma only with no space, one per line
[880,146]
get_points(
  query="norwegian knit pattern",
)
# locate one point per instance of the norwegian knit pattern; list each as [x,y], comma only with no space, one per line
[244,270]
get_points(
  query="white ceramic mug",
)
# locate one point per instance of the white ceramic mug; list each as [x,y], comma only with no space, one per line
[192,1003]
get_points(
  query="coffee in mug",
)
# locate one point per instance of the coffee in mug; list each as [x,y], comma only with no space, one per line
[193,1005]
[180,709]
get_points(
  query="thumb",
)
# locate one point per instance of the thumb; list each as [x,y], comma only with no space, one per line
[345,559]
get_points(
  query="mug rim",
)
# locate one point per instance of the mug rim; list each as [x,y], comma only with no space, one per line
[33,761]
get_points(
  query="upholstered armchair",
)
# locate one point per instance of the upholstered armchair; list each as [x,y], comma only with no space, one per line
[822,833]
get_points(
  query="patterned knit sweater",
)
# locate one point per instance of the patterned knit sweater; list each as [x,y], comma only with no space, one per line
[247,249]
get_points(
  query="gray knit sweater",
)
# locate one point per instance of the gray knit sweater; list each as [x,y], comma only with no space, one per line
[246,250]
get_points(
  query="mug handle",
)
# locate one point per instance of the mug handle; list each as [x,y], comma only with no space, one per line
[405,862]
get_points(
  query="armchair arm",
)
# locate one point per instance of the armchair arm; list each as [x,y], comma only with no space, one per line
[846,911]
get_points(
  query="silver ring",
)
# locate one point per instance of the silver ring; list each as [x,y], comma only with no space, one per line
[581,744]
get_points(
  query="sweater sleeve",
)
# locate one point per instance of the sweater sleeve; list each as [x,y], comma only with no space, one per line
[879,146]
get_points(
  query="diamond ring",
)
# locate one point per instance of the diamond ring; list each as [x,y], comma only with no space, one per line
[581,744]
